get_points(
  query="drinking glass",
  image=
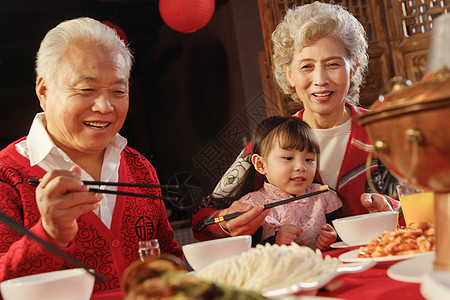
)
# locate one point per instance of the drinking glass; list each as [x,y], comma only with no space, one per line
[417,205]
[149,248]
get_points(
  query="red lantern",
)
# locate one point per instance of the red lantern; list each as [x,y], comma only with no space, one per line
[186,16]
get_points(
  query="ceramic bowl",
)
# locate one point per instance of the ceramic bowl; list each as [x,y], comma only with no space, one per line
[71,284]
[436,285]
[201,254]
[361,229]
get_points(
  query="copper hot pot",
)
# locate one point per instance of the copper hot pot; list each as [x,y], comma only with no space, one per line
[409,128]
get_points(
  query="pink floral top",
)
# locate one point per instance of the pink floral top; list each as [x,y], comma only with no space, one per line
[308,214]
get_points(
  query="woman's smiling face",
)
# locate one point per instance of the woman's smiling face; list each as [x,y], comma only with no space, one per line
[320,74]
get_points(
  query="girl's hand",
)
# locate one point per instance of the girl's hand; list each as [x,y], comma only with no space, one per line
[327,236]
[287,234]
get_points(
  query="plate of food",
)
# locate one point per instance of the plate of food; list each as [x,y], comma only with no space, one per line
[277,271]
[280,272]
[352,257]
[396,245]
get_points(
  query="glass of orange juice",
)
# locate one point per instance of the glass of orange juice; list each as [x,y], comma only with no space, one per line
[417,205]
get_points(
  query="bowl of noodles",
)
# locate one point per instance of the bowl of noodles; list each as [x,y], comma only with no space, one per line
[276,271]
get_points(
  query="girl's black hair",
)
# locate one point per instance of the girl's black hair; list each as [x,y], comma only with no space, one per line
[289,132]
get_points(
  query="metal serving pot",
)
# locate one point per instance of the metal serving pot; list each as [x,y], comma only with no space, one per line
[409,128]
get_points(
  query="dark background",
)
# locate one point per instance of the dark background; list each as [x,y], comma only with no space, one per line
[194,97]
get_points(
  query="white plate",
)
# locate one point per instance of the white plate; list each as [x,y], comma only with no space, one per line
[329,282]
[343,244]
[309,289]
[352,256]
[436,285]
[412,270]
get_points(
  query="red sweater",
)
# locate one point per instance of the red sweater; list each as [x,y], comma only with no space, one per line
[351,182]
[107,251]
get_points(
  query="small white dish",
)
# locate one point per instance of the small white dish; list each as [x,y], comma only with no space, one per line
[436,285]
[352,256]
[201,254]
[70,284]
[412,270]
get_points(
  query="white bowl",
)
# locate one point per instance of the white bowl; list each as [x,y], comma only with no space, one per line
[71,284]
[201,254]
[361,229]
[436,285]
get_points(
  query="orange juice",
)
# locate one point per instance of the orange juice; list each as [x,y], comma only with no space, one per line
[418,207]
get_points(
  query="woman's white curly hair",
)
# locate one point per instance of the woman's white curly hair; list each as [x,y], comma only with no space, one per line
[303,24]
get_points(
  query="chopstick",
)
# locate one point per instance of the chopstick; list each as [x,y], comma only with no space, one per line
[36,181]
[103,191]
[21,229]
[322,189]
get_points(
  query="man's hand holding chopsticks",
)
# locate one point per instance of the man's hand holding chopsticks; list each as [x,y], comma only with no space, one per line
[61,198]
[246,223]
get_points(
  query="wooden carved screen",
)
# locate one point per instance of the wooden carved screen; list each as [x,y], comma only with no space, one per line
[398,32]
[410,25]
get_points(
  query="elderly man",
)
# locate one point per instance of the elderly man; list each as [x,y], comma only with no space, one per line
[83,71]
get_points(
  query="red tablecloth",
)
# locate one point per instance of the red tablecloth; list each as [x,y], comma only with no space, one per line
[372,284]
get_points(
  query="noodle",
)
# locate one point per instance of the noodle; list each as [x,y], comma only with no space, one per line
[270,267]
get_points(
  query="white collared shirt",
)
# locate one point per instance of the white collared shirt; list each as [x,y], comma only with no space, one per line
[39,148]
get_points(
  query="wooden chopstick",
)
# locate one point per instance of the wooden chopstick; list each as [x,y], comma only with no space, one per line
[35,182]
[21,229]
[322,189]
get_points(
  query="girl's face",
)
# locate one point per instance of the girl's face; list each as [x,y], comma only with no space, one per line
[290,170]
[321,74]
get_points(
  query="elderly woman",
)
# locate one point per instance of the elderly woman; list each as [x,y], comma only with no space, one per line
[319,60]
[83,71]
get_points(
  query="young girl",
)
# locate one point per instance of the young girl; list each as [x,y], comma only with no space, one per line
[285,151]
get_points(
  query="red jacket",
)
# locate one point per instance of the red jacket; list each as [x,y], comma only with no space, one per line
[107,251]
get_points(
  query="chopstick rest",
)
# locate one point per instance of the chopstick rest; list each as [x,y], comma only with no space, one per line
[322,189]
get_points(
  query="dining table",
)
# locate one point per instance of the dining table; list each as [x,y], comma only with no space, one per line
[372,284]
